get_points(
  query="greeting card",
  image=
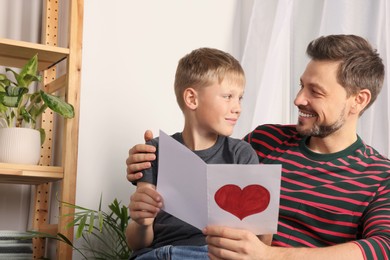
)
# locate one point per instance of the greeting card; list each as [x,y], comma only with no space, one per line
[236,195]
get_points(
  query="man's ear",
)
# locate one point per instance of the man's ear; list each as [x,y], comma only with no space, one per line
[190,98]
[361,100]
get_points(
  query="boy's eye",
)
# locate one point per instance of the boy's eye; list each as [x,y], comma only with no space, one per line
[227,96]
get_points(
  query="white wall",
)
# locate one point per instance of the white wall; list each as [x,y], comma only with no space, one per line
[130,52]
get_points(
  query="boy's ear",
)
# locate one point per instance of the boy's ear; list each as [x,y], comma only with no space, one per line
[190,98]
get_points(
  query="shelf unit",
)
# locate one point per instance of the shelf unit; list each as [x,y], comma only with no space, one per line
[51,60]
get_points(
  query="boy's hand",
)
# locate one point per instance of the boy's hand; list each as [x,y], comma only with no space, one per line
[145,203]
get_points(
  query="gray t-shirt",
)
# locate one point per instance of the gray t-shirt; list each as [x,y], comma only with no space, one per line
[169,230]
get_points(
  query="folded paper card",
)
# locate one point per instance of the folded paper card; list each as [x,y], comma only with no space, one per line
[236,195]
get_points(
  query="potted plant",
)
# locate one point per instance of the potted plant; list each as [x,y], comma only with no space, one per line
[102,233]
[21,105]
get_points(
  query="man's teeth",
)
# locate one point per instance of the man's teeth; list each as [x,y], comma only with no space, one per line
[302,114]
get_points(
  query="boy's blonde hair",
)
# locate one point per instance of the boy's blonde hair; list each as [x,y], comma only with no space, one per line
[203,67]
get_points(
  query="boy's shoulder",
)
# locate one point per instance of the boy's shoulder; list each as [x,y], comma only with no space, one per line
[236,144]
[234,141]
[177,136]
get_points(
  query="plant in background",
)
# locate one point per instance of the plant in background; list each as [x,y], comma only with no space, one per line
[102,233]
[21,106]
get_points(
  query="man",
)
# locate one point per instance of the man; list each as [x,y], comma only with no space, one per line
[335,194]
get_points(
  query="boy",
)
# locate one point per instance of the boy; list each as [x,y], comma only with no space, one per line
[209,85]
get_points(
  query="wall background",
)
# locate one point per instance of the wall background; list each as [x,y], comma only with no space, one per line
[130,54]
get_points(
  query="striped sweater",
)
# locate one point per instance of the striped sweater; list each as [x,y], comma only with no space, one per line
[327,199]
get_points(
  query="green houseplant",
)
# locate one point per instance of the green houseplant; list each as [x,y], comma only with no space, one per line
[101,233]
[21,105]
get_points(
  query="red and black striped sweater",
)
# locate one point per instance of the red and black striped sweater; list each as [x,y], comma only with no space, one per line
[327,199]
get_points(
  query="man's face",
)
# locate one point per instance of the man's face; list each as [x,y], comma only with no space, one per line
[322,101]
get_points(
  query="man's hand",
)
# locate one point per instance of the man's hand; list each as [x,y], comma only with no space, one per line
[139,158]
[231,243]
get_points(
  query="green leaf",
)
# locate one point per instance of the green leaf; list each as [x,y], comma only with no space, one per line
[100,202]
[70,205]
[43,135]
[58,105]
[26,115]
[91,221]
[114,206]
[66,240]
[105,238]
[3,108]
[101,220]
[74,222]
[9,101]
[81,226]
[28,74]
[15,91]
[4,82]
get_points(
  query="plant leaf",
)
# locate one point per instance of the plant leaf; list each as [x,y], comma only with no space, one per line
[81,226]
[91,221]
[74,222]
[15,91]
[65,239]
[43,135]
[28,74]
[58,105]
[9,101]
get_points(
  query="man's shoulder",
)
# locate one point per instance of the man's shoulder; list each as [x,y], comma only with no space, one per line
[291,127]
[275,130]
[372,153]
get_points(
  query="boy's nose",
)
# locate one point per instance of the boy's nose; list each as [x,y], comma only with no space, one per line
[237,107]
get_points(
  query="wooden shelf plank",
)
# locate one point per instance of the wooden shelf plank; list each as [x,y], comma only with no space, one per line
[29,174]
[15,53]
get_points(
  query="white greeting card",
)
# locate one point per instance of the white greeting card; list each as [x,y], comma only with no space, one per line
[236,195]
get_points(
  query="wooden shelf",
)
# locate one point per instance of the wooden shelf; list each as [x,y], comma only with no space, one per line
[15,54]
[29,174]
[64,80]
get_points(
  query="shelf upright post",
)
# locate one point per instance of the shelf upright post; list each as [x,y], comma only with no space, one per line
[71,129]
[43,191]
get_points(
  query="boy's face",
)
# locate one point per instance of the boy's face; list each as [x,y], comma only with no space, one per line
[219,107]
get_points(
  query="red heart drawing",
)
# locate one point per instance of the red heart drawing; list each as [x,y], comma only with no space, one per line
[242,203]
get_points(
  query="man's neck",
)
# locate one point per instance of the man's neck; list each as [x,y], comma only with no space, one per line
[330,144]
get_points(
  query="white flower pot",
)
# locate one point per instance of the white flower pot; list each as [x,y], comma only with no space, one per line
[20,145]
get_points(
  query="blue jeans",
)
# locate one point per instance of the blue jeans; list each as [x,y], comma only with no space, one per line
[176,253]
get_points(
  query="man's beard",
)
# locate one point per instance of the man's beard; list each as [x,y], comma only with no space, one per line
[323,130]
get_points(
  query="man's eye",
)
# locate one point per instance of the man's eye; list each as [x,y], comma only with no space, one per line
[316,93]
[227,96]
